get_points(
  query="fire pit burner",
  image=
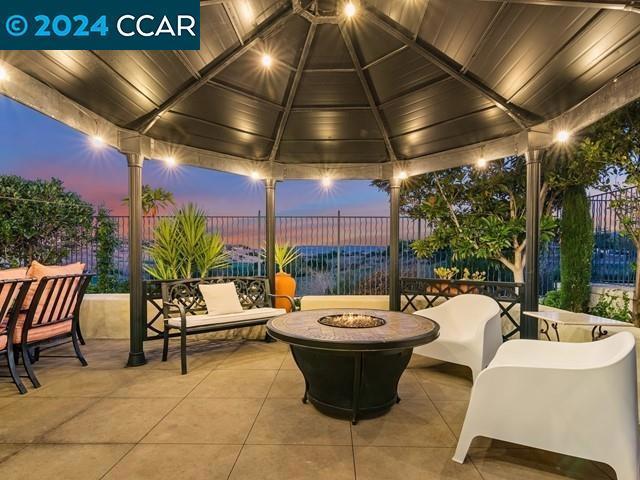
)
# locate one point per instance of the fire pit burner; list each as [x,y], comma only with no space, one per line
[351,320]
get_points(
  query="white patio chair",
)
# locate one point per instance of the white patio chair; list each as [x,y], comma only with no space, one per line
[577,399]
[470,331]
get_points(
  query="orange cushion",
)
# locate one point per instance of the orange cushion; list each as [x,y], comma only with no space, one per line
[42,333]
[37,270]
[13,273]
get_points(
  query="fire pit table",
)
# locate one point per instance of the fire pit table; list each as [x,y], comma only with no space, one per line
[352,359]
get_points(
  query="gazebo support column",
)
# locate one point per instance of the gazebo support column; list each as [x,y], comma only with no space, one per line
[529,326]
[270,189]
[394,245]
[137,323]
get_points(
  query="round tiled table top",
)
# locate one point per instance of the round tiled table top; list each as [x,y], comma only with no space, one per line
[401,330]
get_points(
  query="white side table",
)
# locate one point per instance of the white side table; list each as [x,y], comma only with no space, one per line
[556,318]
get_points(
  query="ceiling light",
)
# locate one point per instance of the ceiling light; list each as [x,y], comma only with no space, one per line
[255,176]
[266,60]
[170,161]
[350,9]
[327,182]
[563,136]
[97,141]
[482,162]
[402,175]
[4,75]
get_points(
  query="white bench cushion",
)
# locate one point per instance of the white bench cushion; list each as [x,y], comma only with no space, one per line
[251,314]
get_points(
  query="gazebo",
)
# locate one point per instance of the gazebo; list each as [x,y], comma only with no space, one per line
[376,89]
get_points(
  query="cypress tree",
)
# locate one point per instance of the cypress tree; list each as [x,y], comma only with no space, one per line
[576,250]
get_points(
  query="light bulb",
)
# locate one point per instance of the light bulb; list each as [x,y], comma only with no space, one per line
[563,136]
[4,75]
[402,175]
[255,175]
[170,161]
[350,9]
[97,141]
[482,162]
[327,182]
[266,60]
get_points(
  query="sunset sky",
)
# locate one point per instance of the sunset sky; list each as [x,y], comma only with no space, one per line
[35,146]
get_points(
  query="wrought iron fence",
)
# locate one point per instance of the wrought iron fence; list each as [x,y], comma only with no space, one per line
[350,254]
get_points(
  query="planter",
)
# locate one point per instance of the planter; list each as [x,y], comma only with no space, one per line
[444,287]
[285,285]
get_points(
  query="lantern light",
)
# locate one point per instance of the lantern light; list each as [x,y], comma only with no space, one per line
[350,9]
[267,60]
[563,136]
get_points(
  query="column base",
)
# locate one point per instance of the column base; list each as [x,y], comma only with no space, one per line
[136,359]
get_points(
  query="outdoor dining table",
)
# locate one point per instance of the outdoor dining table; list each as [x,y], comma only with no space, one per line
[555,318]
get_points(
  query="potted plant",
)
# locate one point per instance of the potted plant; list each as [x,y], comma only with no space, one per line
[447,274]
[475,277]
[285,283]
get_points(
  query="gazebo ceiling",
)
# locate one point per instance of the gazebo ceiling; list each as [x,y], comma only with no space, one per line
[400,80]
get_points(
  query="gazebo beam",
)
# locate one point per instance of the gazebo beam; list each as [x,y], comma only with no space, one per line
[521,117]
[144,124]
[612,5]
[232,21]
[367,91]
[27,90]
[291,95]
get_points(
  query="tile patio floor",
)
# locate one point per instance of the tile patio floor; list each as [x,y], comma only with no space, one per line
[238,415]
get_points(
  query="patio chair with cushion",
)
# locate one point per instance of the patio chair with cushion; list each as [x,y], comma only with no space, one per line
[51,318]
[215,304]
[12,293]
[577,399]
[470,331]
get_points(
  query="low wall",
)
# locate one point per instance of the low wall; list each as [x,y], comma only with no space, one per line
[106,315]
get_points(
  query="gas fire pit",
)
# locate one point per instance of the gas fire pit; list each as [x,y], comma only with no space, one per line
[352,320]
[352,360]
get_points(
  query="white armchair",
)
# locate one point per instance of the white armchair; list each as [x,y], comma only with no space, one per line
[577,399]
[470,331]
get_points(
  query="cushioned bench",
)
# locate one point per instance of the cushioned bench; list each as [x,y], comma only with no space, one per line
[185,309]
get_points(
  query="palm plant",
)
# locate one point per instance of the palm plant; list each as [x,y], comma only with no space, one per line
[285,255]
[153,199]
[164,251]
[183,248]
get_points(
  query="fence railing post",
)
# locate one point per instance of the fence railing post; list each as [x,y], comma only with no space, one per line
[338,257]
[259,243]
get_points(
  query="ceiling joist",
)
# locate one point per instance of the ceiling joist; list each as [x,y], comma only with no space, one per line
[284,118]
[521,117]
[630,6]
[144,124]
[367,91]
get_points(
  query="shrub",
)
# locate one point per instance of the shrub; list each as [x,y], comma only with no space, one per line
[613,306]
[576,249]
[40,220]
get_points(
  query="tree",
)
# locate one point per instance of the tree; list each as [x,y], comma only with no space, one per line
[477,213]
[576,250]
[480,213]
[615,140]
[154,199]
[40,220]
